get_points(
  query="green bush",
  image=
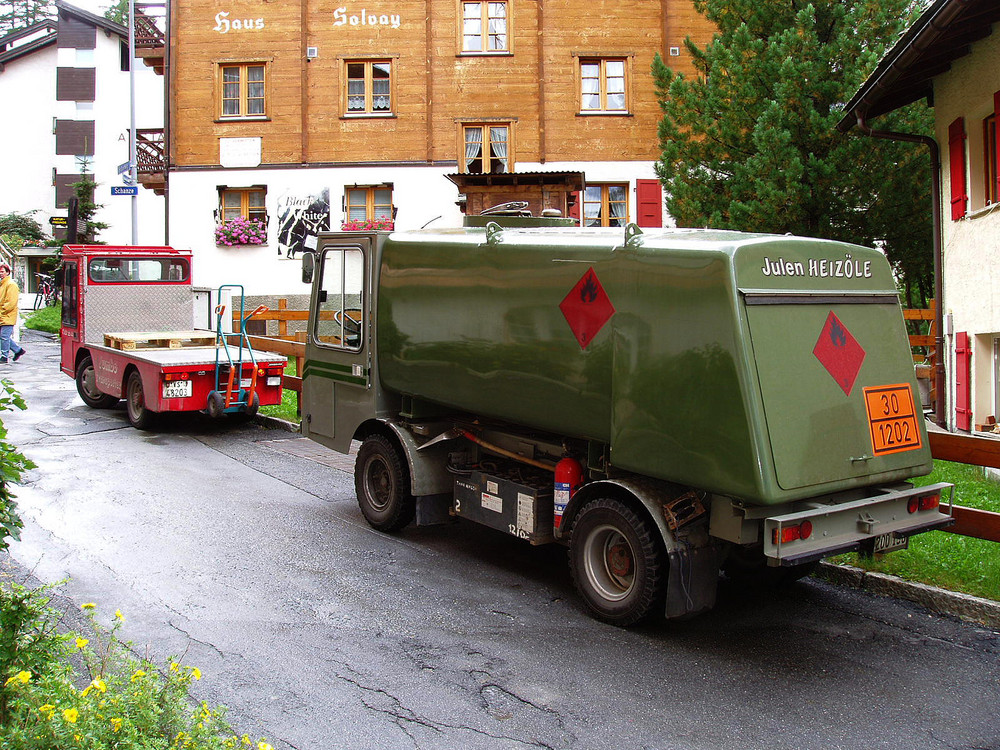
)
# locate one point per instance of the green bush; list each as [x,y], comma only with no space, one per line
[12,465]
[110,700]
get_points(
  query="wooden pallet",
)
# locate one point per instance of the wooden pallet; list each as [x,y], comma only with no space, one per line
[158,340]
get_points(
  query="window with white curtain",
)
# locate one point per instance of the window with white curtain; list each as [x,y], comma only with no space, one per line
[602,86]
[369,87]
[605,205]
[487,148]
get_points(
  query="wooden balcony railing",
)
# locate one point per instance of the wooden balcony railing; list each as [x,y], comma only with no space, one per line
[151,158]
[150,34]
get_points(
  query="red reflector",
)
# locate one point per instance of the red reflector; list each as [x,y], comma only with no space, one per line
[929,502]
[168,376]
[912,504]
[790,533]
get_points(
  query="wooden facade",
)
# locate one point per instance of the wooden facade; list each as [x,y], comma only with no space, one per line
[305,47]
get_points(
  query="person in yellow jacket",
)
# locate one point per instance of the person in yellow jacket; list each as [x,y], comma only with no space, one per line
[8,316]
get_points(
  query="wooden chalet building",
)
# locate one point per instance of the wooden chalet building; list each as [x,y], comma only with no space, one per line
[307,114]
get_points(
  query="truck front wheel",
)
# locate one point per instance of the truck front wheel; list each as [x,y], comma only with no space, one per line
[86,386]
[617,562]
[382,483]
[139,416]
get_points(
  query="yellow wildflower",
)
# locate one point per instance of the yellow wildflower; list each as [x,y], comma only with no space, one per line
[119,616]
[174,666]
[22,677]
[116,725]
[263,746]
[88,605]
[98,685]
[47,710]
[137,675]
[71,715]
[81,642]
[195,672]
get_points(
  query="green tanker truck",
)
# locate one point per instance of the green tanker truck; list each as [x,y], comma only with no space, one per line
[668,404]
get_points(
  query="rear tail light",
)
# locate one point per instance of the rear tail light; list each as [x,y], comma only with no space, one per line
[923,502]
[787,534]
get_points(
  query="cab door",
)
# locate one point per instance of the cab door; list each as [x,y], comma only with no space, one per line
[337,392]
[71,326]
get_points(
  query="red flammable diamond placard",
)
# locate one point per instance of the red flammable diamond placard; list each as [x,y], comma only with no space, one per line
[587,308]
[839,352]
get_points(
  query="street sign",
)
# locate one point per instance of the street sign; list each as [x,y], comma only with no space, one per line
[126,167]
[127,179]
[58,221]
[124,189]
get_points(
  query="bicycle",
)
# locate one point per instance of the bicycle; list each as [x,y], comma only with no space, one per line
[45,293]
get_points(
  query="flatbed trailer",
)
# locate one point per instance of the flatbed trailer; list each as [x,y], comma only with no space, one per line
[161,364]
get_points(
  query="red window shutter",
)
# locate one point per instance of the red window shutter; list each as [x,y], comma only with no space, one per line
[649,203]
[956,159]
[574,210]
[996,145]
[963,386]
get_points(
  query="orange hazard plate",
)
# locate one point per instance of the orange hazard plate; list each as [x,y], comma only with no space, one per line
[892,419]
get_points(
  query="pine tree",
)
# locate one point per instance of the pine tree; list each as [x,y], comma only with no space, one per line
[117,12]
[750,143]
[19,14]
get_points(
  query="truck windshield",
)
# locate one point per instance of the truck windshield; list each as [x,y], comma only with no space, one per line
[138,270]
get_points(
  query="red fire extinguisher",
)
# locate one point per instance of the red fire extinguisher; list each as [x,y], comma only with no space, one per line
[569,477]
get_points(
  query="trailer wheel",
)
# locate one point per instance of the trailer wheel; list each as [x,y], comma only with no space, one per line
[617,562]
[139,416]
[382,482]
[86,386]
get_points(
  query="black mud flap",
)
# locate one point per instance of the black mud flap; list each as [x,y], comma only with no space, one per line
[692,582]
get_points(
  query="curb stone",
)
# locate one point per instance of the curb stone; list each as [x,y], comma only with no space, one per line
[963,606]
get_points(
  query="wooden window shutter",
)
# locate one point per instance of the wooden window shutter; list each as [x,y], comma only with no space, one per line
[963,386]
[996,144]
[649,202]
[573,211]
[956,159]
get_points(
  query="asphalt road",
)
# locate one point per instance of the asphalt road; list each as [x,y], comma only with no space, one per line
[219,544]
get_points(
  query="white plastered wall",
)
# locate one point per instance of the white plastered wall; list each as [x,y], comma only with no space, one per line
[971,268]
[422,195]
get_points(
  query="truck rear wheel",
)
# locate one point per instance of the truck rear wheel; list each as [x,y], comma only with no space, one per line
[382,483]
[139,416]
[617,562]
[86,386]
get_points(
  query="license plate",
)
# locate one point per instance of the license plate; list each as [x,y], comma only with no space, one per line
[892,419]
[177,389]
[890,542]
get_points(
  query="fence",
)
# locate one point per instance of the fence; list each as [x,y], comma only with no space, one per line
[945,446]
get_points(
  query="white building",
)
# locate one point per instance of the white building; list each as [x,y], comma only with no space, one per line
[65,88]
[950,58]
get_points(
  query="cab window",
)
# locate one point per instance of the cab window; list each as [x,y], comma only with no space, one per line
[138,270]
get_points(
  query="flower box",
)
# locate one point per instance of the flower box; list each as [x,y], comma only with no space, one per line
[240,231]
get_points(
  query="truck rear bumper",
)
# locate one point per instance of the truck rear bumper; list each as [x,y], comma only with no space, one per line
[827,529]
